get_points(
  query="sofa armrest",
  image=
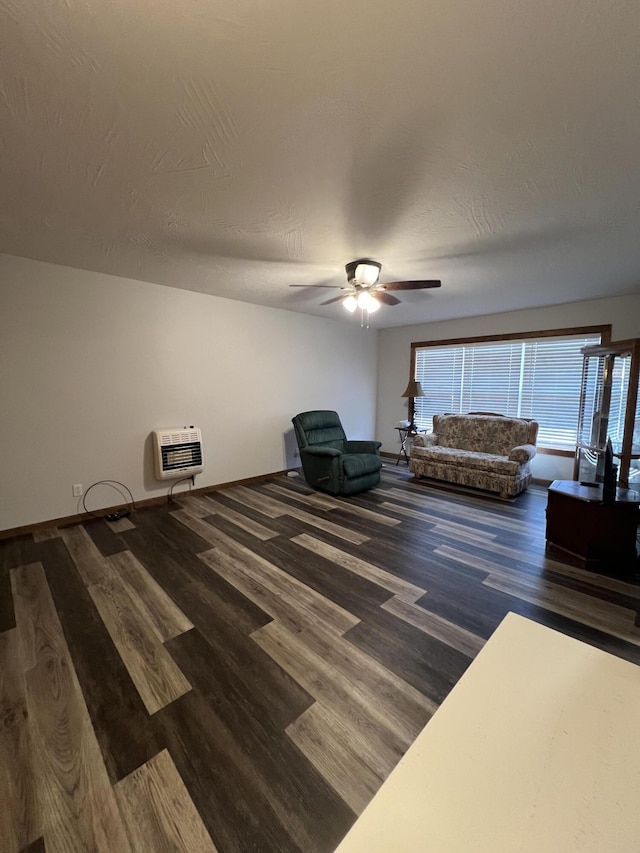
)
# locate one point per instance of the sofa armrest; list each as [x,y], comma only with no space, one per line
[363,446]
[320,450]
[522,453]
[428,440]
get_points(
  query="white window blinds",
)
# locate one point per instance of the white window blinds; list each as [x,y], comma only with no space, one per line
[531,378]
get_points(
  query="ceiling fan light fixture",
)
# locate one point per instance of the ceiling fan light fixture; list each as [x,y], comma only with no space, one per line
[365,272]
[362,299]
[367,302]
[364,289]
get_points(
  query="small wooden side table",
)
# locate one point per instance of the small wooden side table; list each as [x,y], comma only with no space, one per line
[595,534]
[405,433]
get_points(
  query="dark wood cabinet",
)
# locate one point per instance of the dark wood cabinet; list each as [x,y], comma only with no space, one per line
[594,534]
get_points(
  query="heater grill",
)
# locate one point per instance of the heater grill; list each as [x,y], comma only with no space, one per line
[178,452]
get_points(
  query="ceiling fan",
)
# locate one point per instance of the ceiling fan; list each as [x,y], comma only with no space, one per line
[365,291]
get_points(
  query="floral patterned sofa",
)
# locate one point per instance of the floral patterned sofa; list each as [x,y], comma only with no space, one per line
[486,451]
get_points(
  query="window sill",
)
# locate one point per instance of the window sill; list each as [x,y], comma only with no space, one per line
[556,451]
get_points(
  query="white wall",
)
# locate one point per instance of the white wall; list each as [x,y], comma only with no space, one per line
[90,364]
[394,353]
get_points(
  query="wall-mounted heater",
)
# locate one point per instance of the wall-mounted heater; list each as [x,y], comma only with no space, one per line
[178,452]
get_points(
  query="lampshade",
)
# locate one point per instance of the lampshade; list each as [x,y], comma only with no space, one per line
[413,389]
[367,302]
[367,274]
[364,271]
[350,303]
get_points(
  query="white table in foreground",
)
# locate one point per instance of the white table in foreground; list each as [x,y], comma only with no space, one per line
[535,750]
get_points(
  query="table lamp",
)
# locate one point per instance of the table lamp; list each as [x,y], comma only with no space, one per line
[413,390]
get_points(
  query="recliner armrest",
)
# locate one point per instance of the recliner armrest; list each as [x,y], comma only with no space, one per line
[320,450]
[522,453]
[363,446]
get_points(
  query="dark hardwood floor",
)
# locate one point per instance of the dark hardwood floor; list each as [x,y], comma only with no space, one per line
[241,671]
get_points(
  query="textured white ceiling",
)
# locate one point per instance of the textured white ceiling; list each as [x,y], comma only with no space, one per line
[236,148]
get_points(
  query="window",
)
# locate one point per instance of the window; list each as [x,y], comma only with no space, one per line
[530,377]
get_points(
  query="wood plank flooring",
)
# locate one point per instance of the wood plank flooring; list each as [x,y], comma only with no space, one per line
[72,787]
[241,671]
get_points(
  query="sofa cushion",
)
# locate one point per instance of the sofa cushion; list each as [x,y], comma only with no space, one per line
[483,433]
[359,464]
[467,459]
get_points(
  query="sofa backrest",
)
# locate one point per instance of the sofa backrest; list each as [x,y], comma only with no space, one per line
[485,433]
[319,427]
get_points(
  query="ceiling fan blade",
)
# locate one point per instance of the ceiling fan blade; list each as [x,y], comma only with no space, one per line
[387,298]
[410,285]
[317,285]
[335,299]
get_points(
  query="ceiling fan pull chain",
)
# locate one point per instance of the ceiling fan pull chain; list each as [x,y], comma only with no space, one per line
[363,313]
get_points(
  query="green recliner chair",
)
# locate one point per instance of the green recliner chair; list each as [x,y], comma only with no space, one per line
[329,461]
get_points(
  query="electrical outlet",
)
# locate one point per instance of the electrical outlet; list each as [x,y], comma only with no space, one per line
[77,490]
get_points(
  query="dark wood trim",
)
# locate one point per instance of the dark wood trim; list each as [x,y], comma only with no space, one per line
[604,331]
[388,455]
[68,520]
[617,347]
